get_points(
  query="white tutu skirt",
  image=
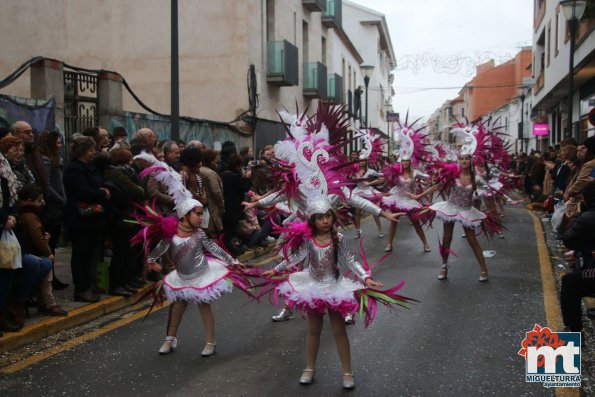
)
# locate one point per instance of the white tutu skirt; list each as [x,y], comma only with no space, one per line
[208,285]
[397,203]
[448,212]
[308,296]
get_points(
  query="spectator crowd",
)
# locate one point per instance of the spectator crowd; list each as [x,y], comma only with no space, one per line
[89,200]
[561,182]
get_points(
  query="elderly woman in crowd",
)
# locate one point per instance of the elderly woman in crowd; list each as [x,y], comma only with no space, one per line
[13,149]
[8,271]
[32,273]
[84,215]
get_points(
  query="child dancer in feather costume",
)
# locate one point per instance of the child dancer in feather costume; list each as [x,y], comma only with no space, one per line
[197,278]
[321,286]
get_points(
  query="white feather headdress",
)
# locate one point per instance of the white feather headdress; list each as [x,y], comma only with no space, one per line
[171,179]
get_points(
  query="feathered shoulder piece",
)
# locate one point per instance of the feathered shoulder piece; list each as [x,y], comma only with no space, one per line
[392,172]
[295,234]
[448,173]
[154,227]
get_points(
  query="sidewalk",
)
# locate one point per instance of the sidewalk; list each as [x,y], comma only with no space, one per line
[40,326]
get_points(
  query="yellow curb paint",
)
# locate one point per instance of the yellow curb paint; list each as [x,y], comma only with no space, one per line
[553,315]
[11,369]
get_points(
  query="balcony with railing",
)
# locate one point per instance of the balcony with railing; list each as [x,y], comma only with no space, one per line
[282,63]
[335,88]
[315,80]
[314,5]
[332,17]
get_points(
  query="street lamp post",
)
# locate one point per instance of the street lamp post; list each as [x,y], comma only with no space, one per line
[573,11]
[522,126]
[175,75]
[367,71]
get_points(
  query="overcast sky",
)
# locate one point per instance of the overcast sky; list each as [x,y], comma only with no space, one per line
[437,43]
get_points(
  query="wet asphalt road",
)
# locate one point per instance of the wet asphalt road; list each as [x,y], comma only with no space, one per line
[461,339]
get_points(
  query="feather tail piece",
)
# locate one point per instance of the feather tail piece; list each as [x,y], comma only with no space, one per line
[240,278]
[444,252]
[369,298]
[158,295]
[492,225]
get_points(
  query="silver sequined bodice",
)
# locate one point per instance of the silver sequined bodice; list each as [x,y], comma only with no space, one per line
[320,261]
[461,196]
[404,185]
[187,253]
[407,185]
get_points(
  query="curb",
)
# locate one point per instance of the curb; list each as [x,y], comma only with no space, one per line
[42,329]
[39,330]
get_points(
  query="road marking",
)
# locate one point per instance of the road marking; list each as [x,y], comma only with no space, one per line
[11,369]
[553,315]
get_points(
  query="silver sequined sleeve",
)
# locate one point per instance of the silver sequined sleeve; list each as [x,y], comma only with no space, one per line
[363,204]
[298,256]
[482,184]
[216,250]
[347,258]
[158,251]
[272,199]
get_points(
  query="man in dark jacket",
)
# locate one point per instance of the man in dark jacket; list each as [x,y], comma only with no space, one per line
[580,236]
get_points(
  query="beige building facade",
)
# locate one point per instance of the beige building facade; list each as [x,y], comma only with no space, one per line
[227,53]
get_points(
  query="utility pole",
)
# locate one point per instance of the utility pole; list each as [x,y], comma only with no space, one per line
[175,75]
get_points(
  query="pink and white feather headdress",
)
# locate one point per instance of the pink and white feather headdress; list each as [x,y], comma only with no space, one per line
[171,179]
[412,142]
[311,159]
[468,133]
[371,146]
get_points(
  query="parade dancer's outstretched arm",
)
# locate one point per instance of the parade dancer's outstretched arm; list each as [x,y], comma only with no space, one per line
[367,206]
[297,257]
